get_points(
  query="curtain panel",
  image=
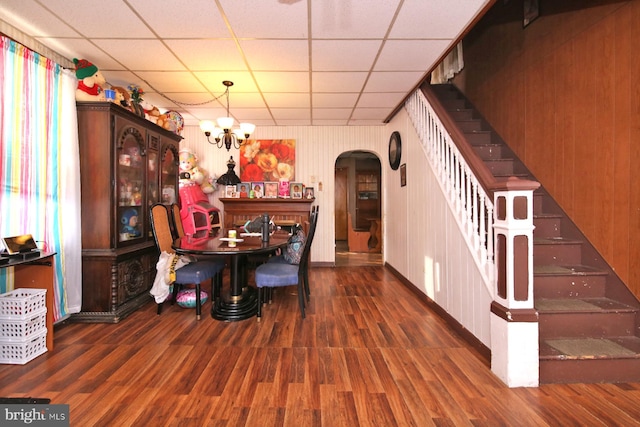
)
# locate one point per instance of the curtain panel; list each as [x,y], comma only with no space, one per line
[39,166]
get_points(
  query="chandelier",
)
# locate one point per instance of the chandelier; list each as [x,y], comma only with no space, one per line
[223,133]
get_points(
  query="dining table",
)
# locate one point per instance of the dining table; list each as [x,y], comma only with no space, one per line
[241,300]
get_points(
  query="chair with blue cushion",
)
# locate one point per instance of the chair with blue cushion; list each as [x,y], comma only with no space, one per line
[279,273]
[193,273]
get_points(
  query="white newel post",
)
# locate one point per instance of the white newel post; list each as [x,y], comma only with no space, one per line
[514,320]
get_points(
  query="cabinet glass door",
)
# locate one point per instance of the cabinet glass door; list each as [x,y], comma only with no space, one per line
[131,180]
[169,175]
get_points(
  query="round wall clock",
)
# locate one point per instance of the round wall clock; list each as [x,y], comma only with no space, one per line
[395,150]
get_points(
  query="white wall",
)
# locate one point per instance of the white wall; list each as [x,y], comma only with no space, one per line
[423,241]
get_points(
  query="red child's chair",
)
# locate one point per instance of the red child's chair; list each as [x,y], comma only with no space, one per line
[196,212]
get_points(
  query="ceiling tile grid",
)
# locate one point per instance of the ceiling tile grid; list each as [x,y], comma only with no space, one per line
[293,62]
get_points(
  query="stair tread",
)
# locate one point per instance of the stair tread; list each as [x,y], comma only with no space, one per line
[559,240]
[547,215]
[566,270]
[582,305]
[590,348]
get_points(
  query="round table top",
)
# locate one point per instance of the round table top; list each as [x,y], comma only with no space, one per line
[217,245]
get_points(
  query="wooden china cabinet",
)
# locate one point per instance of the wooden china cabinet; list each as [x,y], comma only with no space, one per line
[127,164]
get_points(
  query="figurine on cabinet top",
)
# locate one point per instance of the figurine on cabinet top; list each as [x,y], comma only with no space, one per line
[91,82]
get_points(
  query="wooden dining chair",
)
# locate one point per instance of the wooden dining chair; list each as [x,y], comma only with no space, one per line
[177,230]
[193,273]
[278,273]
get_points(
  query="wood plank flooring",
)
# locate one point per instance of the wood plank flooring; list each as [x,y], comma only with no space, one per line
[368,354]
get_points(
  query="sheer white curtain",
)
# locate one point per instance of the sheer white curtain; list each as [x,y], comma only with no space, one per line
[70,193]
[452,64]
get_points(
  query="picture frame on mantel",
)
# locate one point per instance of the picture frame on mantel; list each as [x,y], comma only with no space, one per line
[403,175]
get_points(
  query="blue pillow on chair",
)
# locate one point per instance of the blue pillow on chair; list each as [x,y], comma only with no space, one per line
[295,247]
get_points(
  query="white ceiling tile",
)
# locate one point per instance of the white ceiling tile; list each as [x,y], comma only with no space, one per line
[424,54]
[435,18]
[282,81]
[344,55]
[169,81]
[93,18]
[34,19]
[156,57]
[267,19]
[338,82]
[388,81]
[351,19]
[291,113]
[208,55]
[284,100]
[167,18]
[387,99]
[331,122]
[331,113]
[242,81]
[334,100]
[293,55]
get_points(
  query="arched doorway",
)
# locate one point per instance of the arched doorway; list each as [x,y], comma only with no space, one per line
[358,209]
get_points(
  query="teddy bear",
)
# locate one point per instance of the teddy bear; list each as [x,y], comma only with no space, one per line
[161,120]
[91,82]
[191,174]
[122,96]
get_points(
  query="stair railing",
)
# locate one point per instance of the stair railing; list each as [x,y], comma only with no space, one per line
[472,207]
[496,218]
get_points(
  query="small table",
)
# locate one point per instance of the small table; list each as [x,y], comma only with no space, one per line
[35,271]
[242,301]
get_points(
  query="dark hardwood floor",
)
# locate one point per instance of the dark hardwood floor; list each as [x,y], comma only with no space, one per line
[368,353]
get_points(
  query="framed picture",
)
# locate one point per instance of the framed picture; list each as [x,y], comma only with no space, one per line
[403,175]
[243,189]
[296,190]
[531,12]
[258,189]
[308,193]
[230,192]
[271,190]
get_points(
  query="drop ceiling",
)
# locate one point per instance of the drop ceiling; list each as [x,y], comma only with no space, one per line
[292,62]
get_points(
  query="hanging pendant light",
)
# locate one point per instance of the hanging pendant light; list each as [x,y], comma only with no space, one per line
[224,134]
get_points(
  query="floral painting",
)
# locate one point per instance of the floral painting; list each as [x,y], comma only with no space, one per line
[268,160]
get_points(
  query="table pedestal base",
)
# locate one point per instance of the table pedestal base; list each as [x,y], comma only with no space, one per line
[232,308]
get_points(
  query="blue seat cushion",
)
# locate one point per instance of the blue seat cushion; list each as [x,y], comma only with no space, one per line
[276,274]
[198,272]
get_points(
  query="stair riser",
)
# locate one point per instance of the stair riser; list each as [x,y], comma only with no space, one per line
[470,125]
[488,152]
[500,167]
[586,325]
[476,138]
[569,286]
[454,104]
[547,227]
[589,371]
[462,115]
[561,254]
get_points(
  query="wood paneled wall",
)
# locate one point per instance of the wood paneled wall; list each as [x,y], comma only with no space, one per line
[563,93]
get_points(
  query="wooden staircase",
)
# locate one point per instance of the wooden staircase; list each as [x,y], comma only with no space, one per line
[589,321]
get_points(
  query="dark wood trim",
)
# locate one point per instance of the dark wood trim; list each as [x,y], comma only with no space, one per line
[514,314]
